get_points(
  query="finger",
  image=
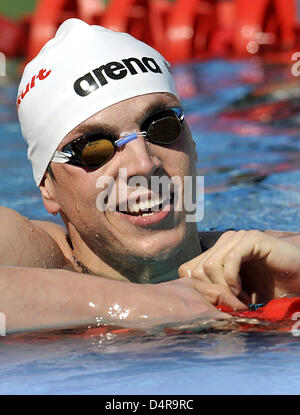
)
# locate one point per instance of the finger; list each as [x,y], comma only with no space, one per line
[219,295]
[240,253]
[214,264]
[199,273]
[226,236]
[187,269]
[210,265]
[205,269]
[248,248]
[213,268]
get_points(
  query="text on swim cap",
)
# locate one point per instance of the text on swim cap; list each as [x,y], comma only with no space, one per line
[41,76]
[86,84]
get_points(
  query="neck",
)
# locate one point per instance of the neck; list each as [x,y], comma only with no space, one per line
[133,269]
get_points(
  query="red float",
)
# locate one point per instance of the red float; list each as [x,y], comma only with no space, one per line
[49,14]
[159,11]
[11,37]
[221,38]
[191,24]
[264,26]
[279,309]
[130,16]
[179,29]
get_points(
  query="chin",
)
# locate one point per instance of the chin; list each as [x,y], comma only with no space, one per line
[161,245]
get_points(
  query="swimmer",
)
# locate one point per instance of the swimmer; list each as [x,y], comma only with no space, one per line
[93,104]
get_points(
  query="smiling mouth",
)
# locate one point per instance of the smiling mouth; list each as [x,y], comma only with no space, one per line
[148,207]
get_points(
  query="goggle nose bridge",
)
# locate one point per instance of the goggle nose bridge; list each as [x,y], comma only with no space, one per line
[133,136]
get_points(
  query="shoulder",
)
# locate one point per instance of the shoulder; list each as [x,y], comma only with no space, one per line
[31,243]
[58,234]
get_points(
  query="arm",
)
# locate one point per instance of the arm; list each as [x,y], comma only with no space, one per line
[33,298]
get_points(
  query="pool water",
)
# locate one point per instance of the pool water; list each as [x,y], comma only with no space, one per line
[245,119]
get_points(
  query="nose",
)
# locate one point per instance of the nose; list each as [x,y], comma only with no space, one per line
[138,158]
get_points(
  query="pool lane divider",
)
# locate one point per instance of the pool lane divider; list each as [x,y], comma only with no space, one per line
[277,309]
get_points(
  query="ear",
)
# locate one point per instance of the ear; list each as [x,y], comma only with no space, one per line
[47,189]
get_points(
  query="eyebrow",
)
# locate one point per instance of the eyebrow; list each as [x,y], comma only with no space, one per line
[152,108]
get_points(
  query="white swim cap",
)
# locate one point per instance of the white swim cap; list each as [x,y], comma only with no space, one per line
[79,72]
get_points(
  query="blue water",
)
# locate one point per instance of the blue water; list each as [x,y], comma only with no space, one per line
[245,119]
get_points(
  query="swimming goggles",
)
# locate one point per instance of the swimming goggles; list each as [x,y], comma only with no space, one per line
[93,150]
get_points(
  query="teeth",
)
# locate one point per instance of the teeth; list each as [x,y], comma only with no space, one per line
[135,208]
[148,204]
[145,205]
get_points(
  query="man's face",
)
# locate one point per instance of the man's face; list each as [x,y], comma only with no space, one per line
[123,236]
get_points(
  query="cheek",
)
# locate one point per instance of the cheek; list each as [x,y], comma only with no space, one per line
[75,189]
[187,144]
[180,159]
[189,155]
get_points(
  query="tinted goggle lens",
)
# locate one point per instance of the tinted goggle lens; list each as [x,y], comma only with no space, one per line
[165,130]
[96,153]
[161,128]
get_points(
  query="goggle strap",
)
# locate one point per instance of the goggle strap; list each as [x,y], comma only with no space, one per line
[61,157]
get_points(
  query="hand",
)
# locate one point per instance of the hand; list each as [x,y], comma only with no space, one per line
[243,264]
[173,301]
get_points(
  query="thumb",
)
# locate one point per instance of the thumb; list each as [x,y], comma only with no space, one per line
[219,295]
